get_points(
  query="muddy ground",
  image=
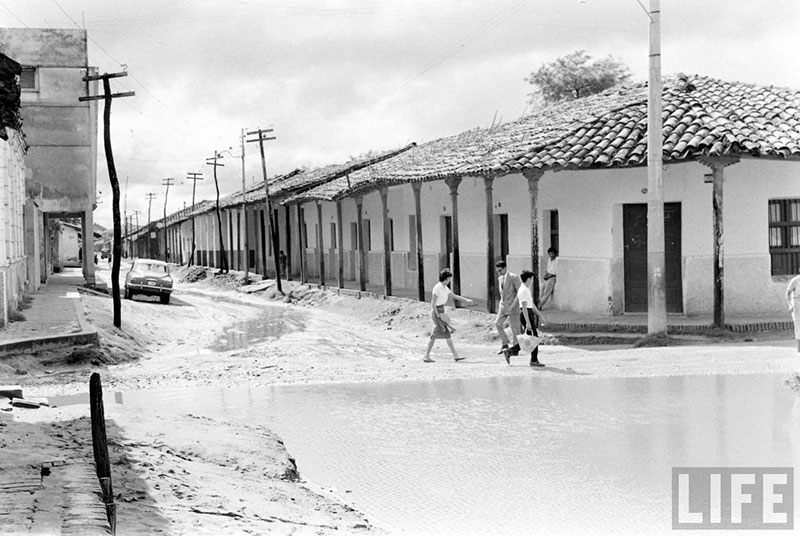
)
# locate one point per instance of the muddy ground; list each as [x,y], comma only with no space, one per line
[193,475]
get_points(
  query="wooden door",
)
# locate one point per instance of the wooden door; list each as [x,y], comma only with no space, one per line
[634,222]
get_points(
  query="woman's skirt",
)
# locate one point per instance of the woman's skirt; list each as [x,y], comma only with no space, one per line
[441,329]
[796,320]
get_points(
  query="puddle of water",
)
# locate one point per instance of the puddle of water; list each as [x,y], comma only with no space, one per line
[272,323]
[514,455]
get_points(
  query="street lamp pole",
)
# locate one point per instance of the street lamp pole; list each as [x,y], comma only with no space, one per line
[656,277]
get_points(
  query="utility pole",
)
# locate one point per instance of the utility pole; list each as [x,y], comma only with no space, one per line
[656,277]
[169,181]
[125,212]
[213,162]
[262,136]
[149,197]
[107,96]
[194,177]
[135,215]
[244,218]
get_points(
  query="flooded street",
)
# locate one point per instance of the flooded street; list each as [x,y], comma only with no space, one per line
[513,455]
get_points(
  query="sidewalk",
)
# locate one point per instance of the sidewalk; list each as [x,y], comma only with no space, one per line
[54,318]
[559,321]
[40,495]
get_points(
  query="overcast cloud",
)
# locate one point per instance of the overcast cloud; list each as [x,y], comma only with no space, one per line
[339,78]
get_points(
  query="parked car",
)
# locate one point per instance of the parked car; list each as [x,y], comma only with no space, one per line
[149,277]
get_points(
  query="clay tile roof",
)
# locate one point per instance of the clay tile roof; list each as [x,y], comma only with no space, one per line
[702,117]
[297,181]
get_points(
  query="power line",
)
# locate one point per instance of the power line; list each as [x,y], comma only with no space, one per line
[14,15]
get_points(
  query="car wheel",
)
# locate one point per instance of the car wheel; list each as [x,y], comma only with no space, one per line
[165,299]
[128,294]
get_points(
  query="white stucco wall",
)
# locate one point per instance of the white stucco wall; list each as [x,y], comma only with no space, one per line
[590,206]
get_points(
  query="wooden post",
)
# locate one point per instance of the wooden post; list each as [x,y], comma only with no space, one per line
[272,225]
[387,243]
[533,176]
[717,166]
[301,245]
[100,447]
[340,244]
[116,249]
[453,183]
[320,246]
[223,268]
[417,188]
[362,254]
[490,271]
[288,243]
[719,268]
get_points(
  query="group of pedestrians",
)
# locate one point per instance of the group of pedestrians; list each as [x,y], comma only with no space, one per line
[516,307]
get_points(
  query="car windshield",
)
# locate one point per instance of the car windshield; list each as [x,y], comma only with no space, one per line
[148,267]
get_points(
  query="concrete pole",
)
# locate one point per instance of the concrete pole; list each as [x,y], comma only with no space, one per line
[656,278]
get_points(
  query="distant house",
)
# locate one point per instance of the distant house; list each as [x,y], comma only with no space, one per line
[12,192]
[61,132]
[67,245]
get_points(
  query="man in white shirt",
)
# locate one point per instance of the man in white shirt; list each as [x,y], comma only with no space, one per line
[549,284]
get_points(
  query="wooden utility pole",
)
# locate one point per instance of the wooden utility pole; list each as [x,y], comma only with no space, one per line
[272,228]
[150,196]
[224,261]
[134,246]
[125,214]
[107,96]
[243,220]
[656,276]
[194,177]
[169,181]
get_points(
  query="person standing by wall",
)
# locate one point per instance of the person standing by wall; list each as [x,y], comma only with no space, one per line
[793,297]
[282,264]
[442,327]
[509,284]
[550,273]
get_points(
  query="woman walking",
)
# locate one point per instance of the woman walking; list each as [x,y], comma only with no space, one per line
[442,327]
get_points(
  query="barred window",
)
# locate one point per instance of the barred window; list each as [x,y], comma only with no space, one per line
[784,236]
[27,79]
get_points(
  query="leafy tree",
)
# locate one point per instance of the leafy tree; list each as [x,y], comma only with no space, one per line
[574,76]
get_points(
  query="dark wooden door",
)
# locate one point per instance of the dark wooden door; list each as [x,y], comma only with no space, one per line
[634,223]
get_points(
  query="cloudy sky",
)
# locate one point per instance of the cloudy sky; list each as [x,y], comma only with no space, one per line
[336,79]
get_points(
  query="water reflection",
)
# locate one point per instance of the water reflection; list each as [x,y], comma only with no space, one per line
[515,455]
[271,323]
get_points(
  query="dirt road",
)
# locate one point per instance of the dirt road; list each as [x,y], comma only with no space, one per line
[191,475]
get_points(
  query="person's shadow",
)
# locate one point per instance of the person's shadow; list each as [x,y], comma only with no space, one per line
[569,371]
